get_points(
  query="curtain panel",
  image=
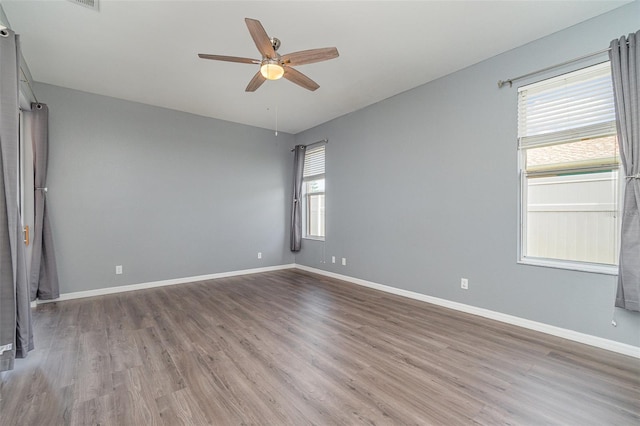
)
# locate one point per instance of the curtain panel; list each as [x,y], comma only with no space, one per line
[296,206]
[625,73]
[44,272]
[16,337]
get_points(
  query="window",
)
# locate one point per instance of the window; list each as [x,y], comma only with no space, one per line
[569,169]
[313,192]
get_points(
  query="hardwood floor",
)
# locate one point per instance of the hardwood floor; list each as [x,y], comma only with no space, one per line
[290,347]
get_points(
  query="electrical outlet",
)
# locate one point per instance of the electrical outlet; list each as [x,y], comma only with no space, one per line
[464,283]
[118,269]
[333,259]
[259,255]
[344,261]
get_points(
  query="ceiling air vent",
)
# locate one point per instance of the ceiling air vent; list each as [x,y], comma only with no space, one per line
[91,4]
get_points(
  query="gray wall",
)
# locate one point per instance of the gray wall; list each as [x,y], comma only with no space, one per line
[422,189]
[165,194]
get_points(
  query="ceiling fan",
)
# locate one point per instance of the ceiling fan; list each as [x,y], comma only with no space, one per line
[274,66]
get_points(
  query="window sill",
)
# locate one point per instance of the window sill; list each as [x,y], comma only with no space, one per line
[313,238]
[595,268]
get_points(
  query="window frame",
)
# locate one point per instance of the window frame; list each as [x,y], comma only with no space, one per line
[306,208]
[523,177]
[306,213]
[573,265]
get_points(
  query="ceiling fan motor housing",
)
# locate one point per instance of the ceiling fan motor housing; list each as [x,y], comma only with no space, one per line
[275,43]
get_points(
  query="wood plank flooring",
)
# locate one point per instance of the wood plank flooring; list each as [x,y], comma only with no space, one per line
[294,348]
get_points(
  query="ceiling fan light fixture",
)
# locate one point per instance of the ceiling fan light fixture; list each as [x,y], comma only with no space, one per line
[271,70]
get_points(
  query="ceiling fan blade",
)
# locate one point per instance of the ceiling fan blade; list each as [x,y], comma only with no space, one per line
[229,58]
[255,82]
[310,56]
[260,38]
[300,79]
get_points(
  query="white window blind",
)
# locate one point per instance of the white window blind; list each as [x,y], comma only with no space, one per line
[567,108]
[314,161]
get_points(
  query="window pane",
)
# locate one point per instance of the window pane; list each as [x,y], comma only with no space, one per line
[573,217]
[314,186]
[315,211]
[586,153]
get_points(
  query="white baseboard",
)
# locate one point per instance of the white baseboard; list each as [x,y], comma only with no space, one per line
[599,342]
[153,284]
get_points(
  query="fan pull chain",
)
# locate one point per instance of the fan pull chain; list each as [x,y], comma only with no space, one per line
[276,120]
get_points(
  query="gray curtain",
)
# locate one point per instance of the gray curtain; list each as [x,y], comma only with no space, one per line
[625,71]
[15,312]
[44,272]
[296,206]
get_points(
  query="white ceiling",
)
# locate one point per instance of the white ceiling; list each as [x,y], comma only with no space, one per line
[146,51]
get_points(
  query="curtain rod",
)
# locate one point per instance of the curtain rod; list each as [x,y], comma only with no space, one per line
[320,141]
[570,61]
